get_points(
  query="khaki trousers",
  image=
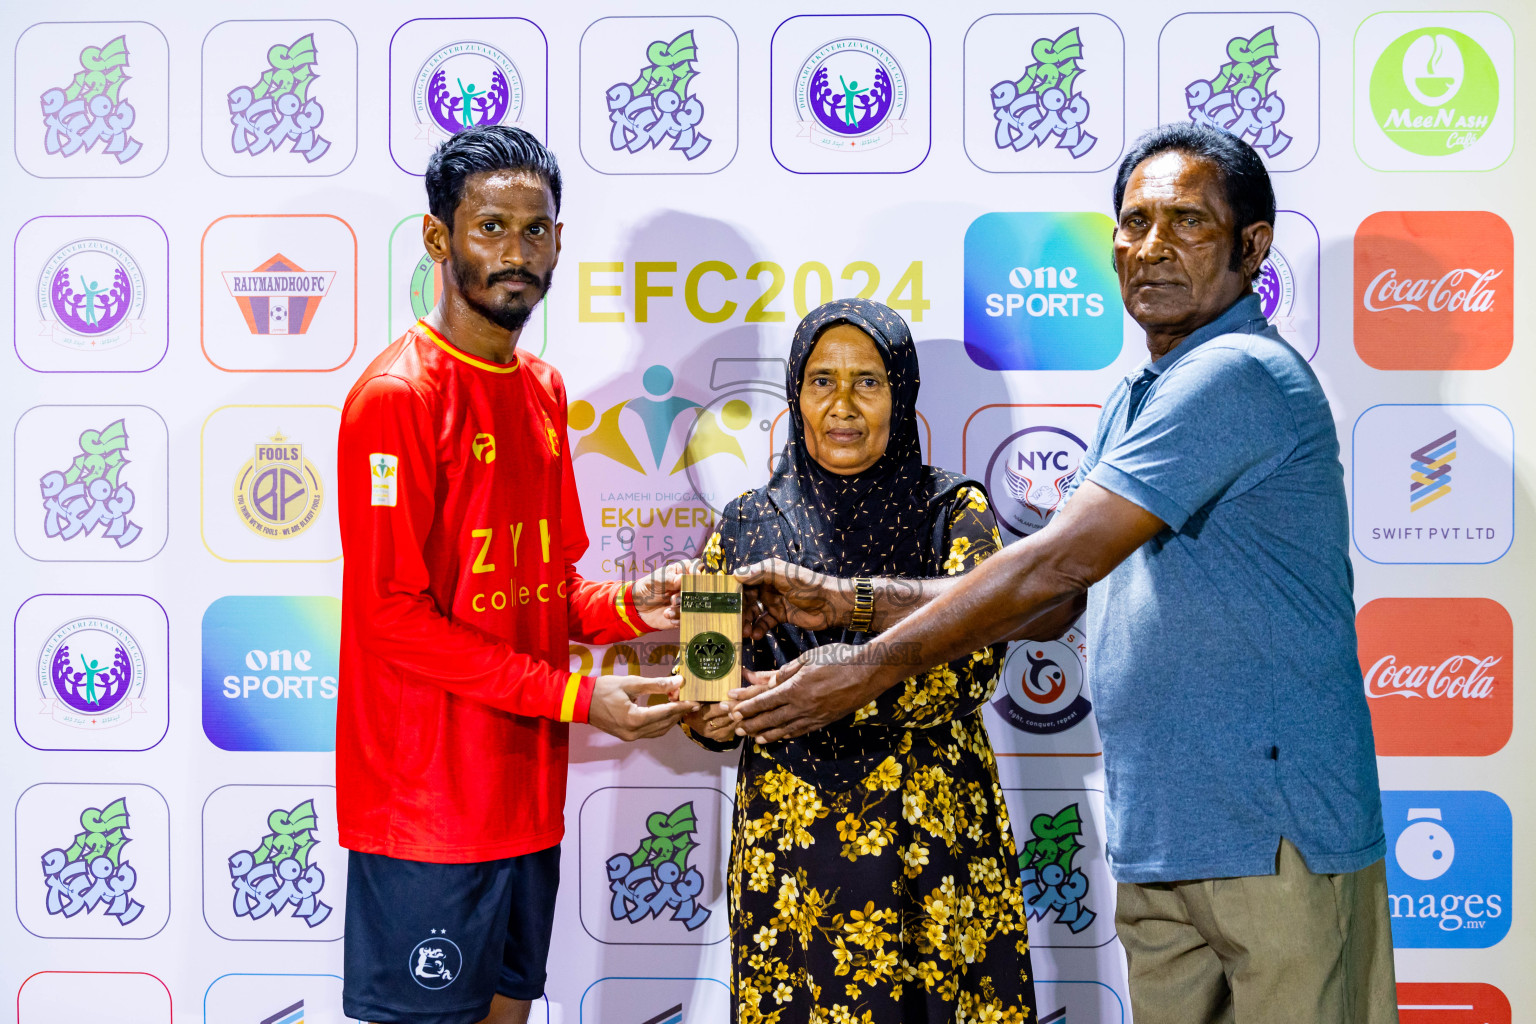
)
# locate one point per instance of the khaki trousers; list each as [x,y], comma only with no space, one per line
[1292,947]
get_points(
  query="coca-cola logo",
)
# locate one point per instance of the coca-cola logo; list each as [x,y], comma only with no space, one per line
[1461,676]
[1461,290]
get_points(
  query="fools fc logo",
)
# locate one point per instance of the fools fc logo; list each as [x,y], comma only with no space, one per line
[278,492]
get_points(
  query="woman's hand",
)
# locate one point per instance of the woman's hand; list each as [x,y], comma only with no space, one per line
[776,591]
[712,722]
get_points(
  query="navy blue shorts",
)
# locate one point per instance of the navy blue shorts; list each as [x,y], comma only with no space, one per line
[432,943]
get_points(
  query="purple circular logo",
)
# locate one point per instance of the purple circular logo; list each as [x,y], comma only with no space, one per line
[92,290]
[1276,287]
[466,84]
[850,88]
[91,665]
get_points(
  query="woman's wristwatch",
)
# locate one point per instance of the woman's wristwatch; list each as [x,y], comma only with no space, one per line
[863,605]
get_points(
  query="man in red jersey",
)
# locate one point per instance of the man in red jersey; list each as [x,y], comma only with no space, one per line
[461,529]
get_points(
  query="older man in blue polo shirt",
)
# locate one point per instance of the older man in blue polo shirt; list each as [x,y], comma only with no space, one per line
[1209,532]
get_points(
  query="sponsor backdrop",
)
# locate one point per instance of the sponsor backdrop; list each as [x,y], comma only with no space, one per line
[215,224]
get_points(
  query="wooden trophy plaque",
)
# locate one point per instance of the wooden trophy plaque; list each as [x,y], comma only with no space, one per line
[710,634]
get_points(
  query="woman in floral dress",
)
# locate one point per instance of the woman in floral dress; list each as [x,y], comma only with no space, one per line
[873,875]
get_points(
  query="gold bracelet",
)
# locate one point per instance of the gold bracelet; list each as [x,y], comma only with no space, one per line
[863,605]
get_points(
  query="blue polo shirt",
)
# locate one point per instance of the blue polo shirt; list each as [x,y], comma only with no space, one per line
[1226,682]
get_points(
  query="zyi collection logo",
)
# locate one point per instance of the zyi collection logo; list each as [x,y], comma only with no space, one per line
[97,287]
[279,98]
[1433,483]
[1040,293]
[448,74]
[271,866]
[663,885]
[269,672]
[851,93]
[1434,290]
[97,667]
[92,99]
[1439,674]
[659,95]
[90,483]
[92,860]
[267,281]
[264,482]
[1253,75]
[1062,865]
[1449,870]
[1044,92]
[1434,90]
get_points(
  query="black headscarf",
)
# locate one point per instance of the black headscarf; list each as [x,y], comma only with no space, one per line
[885,521]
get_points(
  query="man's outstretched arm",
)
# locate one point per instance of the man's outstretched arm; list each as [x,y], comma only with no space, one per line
[1011,594]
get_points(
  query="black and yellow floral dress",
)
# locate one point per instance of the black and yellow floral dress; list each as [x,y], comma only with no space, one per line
[873,874]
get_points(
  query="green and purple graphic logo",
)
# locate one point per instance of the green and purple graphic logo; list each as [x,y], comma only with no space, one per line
[1434,91]
[1040,293]
[90,109]
[278,109]
[269,672]
[279,874]
[659,105]
[657,876]
[92,872]
[1044,104]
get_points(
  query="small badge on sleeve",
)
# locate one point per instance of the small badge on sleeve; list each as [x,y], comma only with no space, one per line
[385,470]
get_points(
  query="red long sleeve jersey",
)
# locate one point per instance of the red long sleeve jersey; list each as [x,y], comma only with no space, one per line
[461,530]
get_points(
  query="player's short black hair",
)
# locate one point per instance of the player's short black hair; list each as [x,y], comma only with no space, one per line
[485,148]
[1250,193]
